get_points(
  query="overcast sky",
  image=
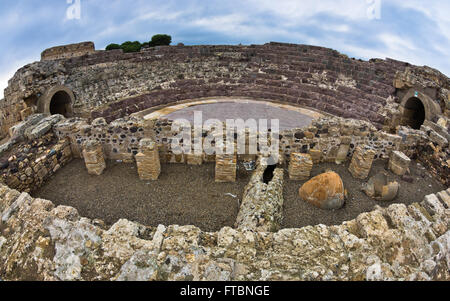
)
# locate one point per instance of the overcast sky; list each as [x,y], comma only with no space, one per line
[414,31]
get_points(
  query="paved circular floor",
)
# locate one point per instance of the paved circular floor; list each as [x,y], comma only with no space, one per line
[289,116]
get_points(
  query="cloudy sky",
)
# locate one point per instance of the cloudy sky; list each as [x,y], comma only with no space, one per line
[414,31]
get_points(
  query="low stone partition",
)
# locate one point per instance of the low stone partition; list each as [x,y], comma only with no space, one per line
[262,203]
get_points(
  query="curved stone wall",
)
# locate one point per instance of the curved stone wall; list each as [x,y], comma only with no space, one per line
[113,84]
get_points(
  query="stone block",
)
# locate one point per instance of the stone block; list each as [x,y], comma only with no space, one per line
[362,162]
[444,196]
[342,154]
[300,166]
[399,163]
[193,159]
[94,158]
[316,155]
[147,160]
[226,168]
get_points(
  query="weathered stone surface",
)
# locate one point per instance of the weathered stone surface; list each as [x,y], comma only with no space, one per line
[193,159]
[226,168]
[325,191]
[94,158]
[399,163]
[41,242]
[380,189]
[262,204]
[148,163]
[362,162]
[300,166]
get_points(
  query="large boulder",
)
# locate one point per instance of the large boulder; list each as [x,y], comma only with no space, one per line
[326,191]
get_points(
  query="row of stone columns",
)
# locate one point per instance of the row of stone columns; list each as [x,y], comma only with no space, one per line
[300,165]
[148,161]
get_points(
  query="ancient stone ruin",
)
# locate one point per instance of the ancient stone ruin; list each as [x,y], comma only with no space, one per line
[375,151]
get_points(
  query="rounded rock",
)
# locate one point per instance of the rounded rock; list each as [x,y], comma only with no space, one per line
[325,191]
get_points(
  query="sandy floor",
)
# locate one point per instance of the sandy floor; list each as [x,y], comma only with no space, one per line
[188,195]
[184,195]
[298,213]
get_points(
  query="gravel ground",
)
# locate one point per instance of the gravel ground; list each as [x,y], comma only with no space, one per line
[298,213]
[184,195]
[188,195]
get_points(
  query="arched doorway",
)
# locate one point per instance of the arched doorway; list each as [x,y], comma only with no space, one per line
[60,104]
[414,113]
[57,100]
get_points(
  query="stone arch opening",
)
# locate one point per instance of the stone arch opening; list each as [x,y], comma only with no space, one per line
[414,113]
[60,103]
[57,100]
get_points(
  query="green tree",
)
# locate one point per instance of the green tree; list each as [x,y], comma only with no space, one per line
[131,46]
[160,40]
[112,46]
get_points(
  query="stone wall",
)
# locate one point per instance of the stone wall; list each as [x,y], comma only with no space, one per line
[39,241]
[31,163]
[112,84]
[68,51]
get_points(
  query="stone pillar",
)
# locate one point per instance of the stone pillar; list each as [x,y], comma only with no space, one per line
[343,150]
[226,168]
[362,162]
[399,163]
[94,157]
[300,166]
[316,155]
[147,160]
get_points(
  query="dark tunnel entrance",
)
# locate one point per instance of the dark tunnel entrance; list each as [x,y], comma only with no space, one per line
[414,113]
[60,104]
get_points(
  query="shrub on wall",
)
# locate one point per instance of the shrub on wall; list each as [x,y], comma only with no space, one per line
[160,40]
[131,46]
[112,47]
